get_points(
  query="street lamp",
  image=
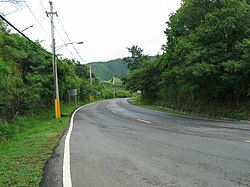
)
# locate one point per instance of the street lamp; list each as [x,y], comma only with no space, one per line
[27,28]
[64,45]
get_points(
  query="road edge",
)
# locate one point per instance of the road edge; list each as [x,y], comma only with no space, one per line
[66,156]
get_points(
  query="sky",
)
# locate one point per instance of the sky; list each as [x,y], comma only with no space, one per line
[107,27]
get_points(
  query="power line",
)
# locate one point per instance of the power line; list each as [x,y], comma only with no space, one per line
[42,5]
[66,35]
[34,24]
[62,38]
[69,39]
[20,32]
[36,18]
[57,31]
[64,43]
[23,34]
[11,1]
[17,9]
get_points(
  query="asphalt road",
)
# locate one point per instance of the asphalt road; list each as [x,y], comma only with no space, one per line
[116,144]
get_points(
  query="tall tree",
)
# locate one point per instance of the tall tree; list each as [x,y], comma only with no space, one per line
[136,59]
[145,79]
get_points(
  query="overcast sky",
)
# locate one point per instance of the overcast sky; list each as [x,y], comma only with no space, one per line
[106,27]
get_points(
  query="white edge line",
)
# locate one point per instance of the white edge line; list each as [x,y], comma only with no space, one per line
[66,157]
[144,121]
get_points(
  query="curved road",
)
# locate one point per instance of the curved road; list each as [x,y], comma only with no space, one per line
[116,144]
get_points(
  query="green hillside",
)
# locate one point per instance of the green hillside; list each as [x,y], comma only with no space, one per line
[105,70]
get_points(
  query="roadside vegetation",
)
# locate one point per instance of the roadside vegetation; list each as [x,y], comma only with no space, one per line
[205,65]
[114,87]
[27,143]
[212,112]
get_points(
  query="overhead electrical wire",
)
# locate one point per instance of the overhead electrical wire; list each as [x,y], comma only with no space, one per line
[39,22]
[70,39]
[10,24]
[58,33]
[42,5]
[16,5]
[17,9]
[64,43]
[62,38]
[34,24]
[36,18]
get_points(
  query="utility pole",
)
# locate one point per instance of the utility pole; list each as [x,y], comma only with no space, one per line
[90,75]
[56,91]
[91,97]
[113,82]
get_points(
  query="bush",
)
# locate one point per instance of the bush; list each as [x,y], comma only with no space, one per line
[123,94]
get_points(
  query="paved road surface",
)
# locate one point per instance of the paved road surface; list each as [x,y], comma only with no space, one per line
[116,144]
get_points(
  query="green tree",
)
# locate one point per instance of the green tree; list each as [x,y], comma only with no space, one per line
[145,79]
[137,58]
[202,57]
[11,83]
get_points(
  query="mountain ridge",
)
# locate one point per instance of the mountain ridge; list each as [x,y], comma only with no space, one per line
[106,70]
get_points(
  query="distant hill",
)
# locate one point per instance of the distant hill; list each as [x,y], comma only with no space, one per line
[105,70]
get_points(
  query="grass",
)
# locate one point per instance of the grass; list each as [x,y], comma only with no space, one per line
[145,104]
[215,112]
[27,144]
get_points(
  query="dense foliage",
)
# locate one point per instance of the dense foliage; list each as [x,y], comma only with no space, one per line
[26,78]
[206,59]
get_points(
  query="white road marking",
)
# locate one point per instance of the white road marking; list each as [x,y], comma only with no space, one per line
[66,157]
[144,121]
